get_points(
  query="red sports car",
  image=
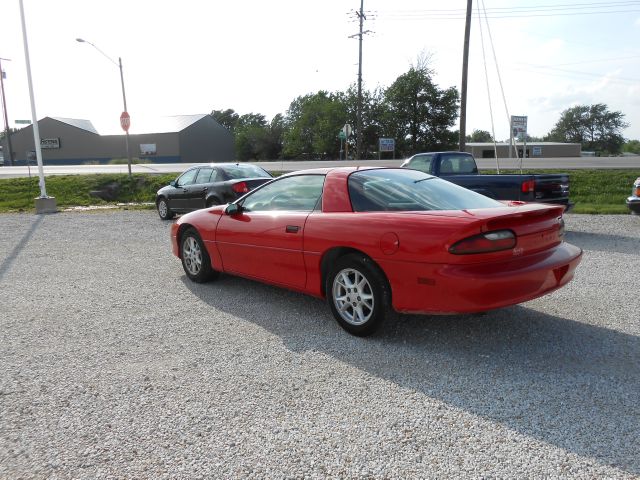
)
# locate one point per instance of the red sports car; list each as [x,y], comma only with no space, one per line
[367,239]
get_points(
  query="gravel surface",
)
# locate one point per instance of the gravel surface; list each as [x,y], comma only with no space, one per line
[114,365]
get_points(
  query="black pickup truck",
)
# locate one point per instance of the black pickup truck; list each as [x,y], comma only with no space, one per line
[460,168]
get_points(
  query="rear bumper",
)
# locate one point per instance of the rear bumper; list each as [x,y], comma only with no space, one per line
[446,289]
[633,204]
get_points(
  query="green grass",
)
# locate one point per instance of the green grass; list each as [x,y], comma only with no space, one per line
[596,191]
[593,191]
[18,194]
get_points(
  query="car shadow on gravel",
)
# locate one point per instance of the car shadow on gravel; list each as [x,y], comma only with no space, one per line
[550,378]
[6,263]
[604,242]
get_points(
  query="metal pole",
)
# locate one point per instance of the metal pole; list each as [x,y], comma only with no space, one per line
[124,100]
[359,120]
[7,134]
[36,130]
[465,71]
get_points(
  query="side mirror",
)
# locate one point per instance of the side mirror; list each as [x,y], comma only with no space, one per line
[233,209]
[173,183]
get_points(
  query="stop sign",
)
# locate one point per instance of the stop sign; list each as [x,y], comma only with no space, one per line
[125,121]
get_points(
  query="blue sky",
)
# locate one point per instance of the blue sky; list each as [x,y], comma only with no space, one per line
[194,56]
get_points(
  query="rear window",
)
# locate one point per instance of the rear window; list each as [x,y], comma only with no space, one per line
[453,164]
[235,172]
[410,190]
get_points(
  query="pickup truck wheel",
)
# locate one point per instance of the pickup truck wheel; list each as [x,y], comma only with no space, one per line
[356,294]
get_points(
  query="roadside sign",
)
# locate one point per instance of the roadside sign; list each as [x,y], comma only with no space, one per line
[23,122]
[347,129]
[342,135]
[387,144]
[519,126]
[125,121]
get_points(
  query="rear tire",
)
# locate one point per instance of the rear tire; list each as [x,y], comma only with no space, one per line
[164,211]
[195,258]
[357,294]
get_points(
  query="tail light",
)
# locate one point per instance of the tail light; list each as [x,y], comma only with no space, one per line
[528,186]
[636,190]
[240,187]
[485,243]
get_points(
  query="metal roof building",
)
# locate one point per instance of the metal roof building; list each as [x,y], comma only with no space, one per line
[534,150]
[176,139]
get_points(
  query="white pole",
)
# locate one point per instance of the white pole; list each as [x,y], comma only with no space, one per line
[34,118]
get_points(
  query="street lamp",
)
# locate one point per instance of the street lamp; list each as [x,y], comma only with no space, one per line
[124,118]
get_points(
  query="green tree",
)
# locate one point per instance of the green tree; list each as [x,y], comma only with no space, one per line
[632,146]
[479,136]
[373,113]
[227,118]
[312,125]
[593,126]
[418,114]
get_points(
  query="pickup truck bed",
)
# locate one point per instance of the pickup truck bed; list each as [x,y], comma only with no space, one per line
[460,168]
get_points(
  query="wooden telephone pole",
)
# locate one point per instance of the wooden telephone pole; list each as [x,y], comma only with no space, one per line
[465,71]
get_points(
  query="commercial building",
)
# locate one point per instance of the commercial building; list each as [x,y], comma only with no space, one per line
[176,139]
[534,150]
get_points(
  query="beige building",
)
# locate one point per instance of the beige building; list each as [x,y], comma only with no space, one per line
[534,150]
[69,141]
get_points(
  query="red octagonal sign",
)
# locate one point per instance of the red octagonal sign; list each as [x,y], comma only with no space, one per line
[125,121]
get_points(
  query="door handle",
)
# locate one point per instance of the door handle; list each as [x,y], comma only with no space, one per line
[292,229]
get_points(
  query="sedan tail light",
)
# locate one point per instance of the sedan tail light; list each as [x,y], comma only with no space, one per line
[485,243]
[528,186]
[240,187]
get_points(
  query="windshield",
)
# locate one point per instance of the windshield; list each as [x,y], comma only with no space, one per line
[234,172]
[410,190]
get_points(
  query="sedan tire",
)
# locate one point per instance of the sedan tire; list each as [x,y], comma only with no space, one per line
[357,294]
[164,211]
[195,259]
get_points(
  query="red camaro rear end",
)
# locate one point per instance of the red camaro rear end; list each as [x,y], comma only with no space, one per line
[368,239]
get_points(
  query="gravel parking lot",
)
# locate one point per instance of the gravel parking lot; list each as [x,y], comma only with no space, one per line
[114,365]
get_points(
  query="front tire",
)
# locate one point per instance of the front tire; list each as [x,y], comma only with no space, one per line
[357,294]
[195,259]
[164,211]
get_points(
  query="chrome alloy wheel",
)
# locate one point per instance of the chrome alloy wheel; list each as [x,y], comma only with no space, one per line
[162,208]
[353,296]
[192,255]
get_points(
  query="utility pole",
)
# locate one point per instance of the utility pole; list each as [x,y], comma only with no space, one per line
[465,71]
[7,133]
[362,17]
[359,120]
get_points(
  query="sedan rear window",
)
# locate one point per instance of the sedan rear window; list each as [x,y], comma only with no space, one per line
[410,190]
[236,172]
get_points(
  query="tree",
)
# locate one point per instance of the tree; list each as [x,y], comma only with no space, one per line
[479,136]
[227,118]
[632,146]
[593,126]
[419,114]
[312,125]
[373,112]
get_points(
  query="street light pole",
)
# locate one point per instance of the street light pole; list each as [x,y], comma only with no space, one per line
[124,97]
[4,110]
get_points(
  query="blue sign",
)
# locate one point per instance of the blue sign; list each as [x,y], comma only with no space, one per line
[387,145]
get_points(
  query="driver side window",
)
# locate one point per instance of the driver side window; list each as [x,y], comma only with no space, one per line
[187,178]
[297,193]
